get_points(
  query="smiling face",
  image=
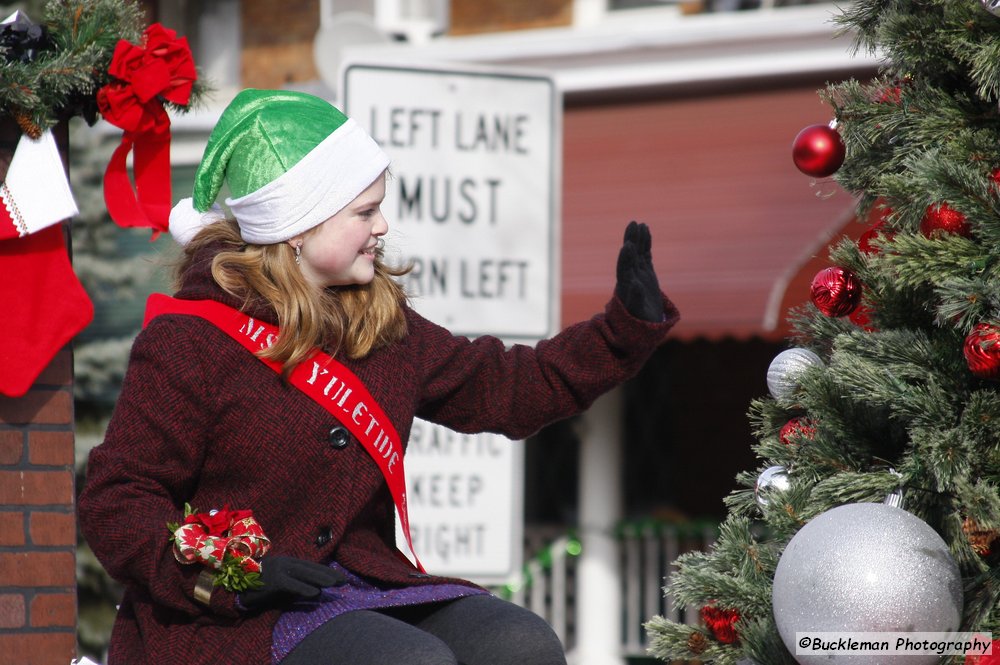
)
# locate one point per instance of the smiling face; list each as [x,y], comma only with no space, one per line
[341,250]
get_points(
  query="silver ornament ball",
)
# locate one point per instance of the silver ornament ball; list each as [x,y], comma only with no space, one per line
[772,479]
[784,372]
[992,6]
[866,567]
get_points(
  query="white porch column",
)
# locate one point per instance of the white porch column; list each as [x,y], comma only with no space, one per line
[599,595]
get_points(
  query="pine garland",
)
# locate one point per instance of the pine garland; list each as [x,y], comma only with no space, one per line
[62,79]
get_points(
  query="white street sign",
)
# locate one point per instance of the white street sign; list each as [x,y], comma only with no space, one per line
[465,494]
[473,201]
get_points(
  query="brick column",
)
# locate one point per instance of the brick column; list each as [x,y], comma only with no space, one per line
[37,519]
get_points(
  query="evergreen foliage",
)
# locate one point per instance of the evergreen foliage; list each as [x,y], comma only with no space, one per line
[61,80]
[895,406]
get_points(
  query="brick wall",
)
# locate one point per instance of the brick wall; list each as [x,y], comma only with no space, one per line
[278,36]
[278,42]
[37,520]
[480,16]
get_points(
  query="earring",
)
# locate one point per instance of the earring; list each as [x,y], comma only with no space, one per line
[298,253]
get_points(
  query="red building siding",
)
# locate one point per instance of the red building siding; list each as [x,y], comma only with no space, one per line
[712,175]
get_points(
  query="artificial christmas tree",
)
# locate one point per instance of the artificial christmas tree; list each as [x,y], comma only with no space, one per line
[902,397]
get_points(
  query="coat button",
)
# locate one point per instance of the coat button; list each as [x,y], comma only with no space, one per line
[324,537]
[339,437]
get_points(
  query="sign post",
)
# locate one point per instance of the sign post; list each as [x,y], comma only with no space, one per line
[473,206]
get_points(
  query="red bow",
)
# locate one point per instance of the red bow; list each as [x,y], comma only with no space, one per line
[209,538]
[143,77]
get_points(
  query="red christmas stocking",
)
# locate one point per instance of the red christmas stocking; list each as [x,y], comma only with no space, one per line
[43,303]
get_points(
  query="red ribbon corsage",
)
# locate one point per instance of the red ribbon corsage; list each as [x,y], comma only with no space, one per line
[230,542]
[142,79]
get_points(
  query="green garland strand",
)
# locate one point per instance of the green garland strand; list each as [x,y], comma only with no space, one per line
[627,529]
[572,547]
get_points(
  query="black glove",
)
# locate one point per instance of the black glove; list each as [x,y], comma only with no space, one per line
[286,579]
[637,285]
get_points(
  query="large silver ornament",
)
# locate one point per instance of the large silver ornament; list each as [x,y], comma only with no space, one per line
[785,370]
[772,479]
[866,567]
[992,6]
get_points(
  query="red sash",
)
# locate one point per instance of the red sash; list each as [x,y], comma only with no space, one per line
[323,379]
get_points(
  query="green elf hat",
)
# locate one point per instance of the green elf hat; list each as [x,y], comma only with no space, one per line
[291,161]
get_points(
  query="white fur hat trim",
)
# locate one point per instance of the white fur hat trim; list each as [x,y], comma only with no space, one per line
[185,221]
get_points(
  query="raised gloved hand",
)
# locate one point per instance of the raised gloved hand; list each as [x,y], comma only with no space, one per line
[637,286]
[286,579]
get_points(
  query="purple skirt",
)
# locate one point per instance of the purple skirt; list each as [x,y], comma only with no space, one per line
[357,594]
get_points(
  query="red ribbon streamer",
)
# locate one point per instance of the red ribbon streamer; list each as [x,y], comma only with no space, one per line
[143,78]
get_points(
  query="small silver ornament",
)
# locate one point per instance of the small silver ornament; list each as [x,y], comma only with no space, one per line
[866,567]
[772,479]
[896,497]
[785,370]
[992,6]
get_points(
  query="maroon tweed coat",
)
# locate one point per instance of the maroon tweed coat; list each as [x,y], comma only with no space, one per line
[201,421]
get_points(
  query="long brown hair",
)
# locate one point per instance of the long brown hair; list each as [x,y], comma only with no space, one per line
[351,320]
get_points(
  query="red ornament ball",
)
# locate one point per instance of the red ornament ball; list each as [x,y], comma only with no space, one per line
[989,659]
[982,351]
[720,623]
[797,429]
[835,291]
[818,151]
[942,218]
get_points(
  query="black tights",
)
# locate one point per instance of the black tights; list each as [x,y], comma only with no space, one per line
[476,630]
